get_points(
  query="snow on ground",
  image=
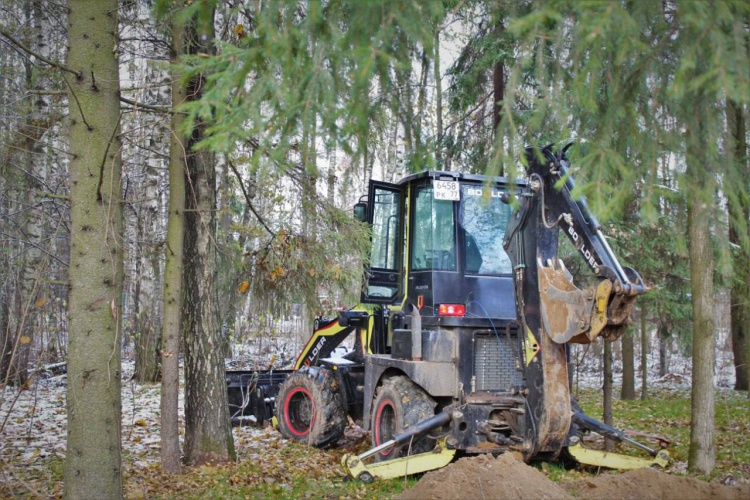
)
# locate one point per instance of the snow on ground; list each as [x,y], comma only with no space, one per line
[679,374]
[33,421]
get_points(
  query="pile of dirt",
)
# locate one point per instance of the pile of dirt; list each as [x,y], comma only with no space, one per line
[507,477]
[483,476]
[650,484]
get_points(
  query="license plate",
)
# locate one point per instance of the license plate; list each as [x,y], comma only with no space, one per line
[446,190]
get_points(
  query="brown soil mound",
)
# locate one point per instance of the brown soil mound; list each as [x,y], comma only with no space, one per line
[506,477]
[650,484]
[485,477]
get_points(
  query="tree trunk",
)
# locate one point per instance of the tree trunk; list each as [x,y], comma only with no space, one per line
[148,340]
[6,343]
[701,213]
[498,84]
[173,271]
[92,464]
[740,291]
[644,351]
[740,333]
[663,345]
[628,365]
[438,103]
[208,435]
[607,389]
[498,88]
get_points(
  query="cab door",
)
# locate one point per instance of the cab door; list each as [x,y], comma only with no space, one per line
[384,281]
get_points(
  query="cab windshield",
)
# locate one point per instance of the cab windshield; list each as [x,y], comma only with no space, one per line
[483,219]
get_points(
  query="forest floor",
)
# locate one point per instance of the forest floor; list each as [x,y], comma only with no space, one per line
[33,433]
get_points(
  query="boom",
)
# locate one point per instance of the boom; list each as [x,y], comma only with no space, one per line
[551,309]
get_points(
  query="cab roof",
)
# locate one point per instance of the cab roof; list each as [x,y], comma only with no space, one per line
[459,176]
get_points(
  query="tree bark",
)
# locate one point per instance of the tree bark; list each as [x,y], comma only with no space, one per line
[173,271]
[628,366]
[208,434]
[147,319]
[498,85]
[644,351]
[701,213]
[663,345]
[607,389]
[740,290]
[93,465]
[438,102]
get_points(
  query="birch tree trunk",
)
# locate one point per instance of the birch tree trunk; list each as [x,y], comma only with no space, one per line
[92,464]
[148,341]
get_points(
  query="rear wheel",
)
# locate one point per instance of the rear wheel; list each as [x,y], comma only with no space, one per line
[310,409]
[399,405]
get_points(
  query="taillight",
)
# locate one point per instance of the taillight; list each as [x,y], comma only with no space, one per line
[452,310]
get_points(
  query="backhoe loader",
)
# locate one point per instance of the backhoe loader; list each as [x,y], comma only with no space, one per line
[461,338]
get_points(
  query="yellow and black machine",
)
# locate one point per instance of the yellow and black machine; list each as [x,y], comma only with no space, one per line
[461,338]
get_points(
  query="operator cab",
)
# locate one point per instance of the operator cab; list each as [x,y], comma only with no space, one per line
[437,244]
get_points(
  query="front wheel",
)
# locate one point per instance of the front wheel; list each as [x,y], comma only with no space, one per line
[399,405]
[310,409]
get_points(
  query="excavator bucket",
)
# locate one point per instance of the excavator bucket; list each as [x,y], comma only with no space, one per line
[568,313]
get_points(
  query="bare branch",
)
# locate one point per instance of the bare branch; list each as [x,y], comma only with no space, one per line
[150,107]
[24,48]
[248,199]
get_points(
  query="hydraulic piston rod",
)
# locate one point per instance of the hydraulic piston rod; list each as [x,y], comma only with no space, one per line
[440,456]
[609,432]
[424,426]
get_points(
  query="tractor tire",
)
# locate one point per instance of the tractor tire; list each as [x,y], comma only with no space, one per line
[310,408]
[399,405]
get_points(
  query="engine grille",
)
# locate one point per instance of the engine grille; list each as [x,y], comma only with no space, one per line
[495,362]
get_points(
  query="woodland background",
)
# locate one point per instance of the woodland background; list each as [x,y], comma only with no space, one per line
[178,176]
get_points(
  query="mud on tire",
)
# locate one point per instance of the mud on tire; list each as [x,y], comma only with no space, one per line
[310,408]
[399,405]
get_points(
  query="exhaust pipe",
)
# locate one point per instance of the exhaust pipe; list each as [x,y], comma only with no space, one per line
[416,334]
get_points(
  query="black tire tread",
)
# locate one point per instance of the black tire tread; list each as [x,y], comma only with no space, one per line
[416,406]
[330,419]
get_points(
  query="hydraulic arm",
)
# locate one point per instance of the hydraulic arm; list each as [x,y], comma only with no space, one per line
[551,309]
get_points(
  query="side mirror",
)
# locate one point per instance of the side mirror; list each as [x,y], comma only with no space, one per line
[360,211]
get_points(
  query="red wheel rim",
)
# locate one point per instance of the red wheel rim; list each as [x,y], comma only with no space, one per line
[385,424]
[299,412]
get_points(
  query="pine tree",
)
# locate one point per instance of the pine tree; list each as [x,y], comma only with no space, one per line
[93,462]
